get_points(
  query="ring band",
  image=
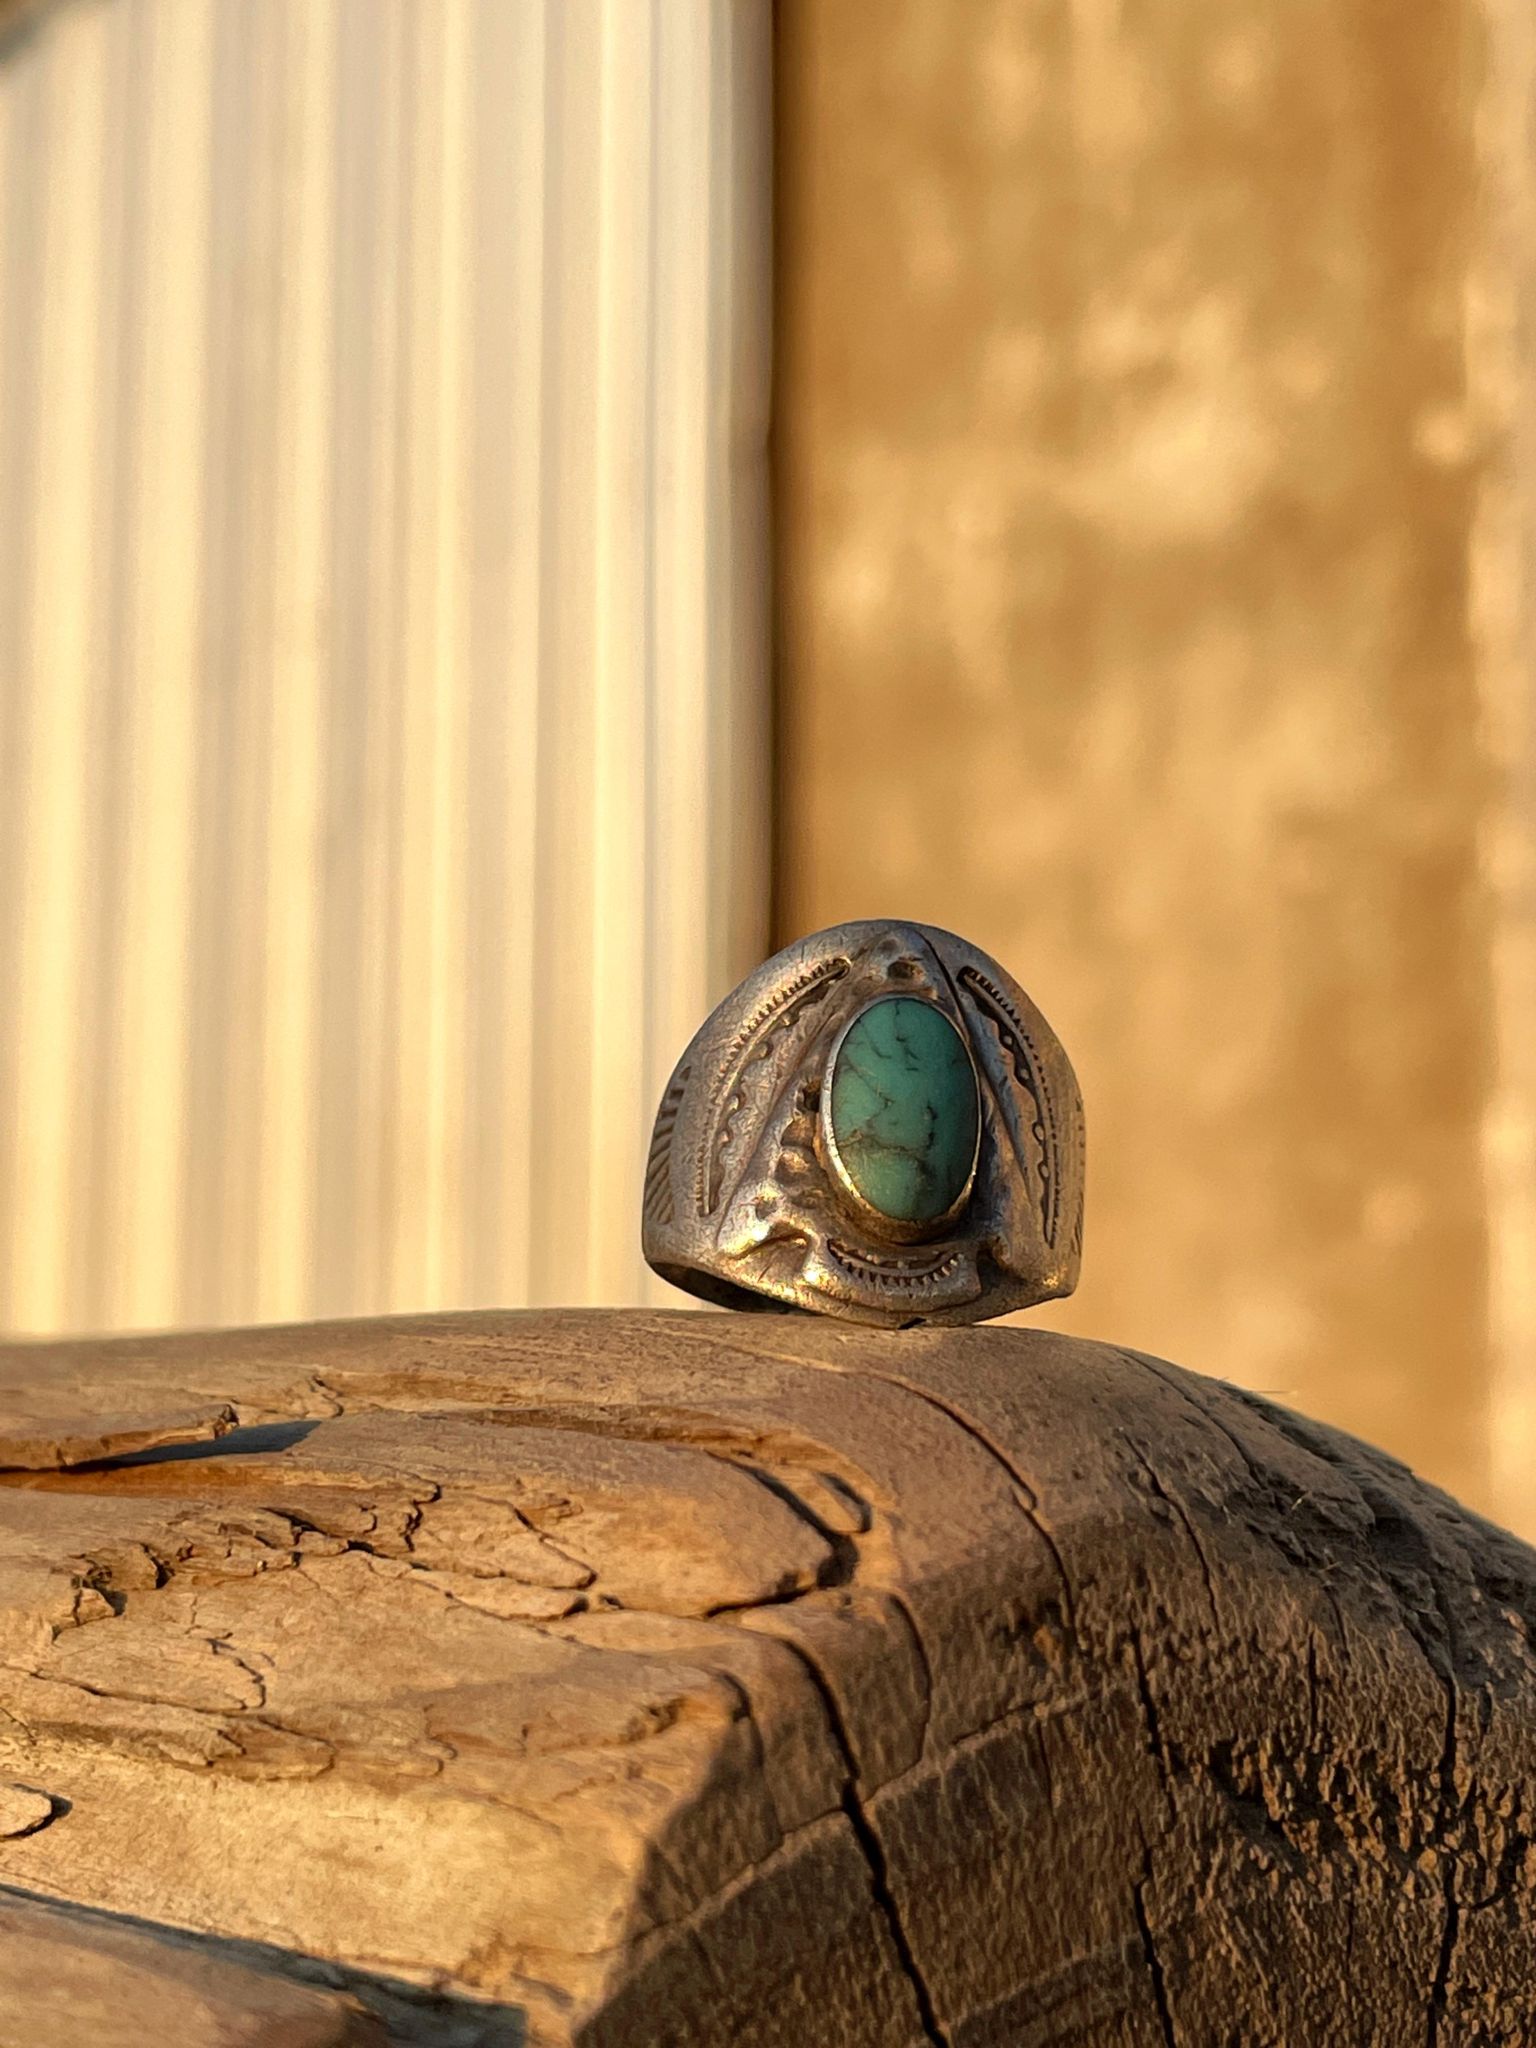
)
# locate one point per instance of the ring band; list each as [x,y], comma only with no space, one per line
[877,1124]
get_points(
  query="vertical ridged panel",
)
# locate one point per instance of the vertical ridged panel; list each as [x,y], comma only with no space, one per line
[382,720]
[62,520]
[1501,350]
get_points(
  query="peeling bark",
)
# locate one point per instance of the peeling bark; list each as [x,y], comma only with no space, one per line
[683,1680]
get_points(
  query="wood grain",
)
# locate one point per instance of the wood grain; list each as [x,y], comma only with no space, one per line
[625,1679]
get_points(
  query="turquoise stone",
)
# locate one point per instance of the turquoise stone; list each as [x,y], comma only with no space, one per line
[903,1113]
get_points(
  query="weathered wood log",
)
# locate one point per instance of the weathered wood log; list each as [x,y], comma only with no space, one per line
[692,1679]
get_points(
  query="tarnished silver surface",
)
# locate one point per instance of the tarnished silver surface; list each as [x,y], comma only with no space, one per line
[745,1204]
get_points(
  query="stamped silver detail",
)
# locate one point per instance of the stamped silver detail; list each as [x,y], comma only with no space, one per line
[746,1204]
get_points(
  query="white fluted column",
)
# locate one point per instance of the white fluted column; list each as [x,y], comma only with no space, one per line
[383,760]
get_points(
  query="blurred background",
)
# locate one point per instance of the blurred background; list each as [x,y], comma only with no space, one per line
[511,508]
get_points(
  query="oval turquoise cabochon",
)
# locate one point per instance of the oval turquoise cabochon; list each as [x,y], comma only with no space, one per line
[904,1112]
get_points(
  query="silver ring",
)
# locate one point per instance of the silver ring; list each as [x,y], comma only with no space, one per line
[877,1124]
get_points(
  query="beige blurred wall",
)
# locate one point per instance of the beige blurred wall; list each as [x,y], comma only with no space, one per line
[383,695]
[1154,467]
